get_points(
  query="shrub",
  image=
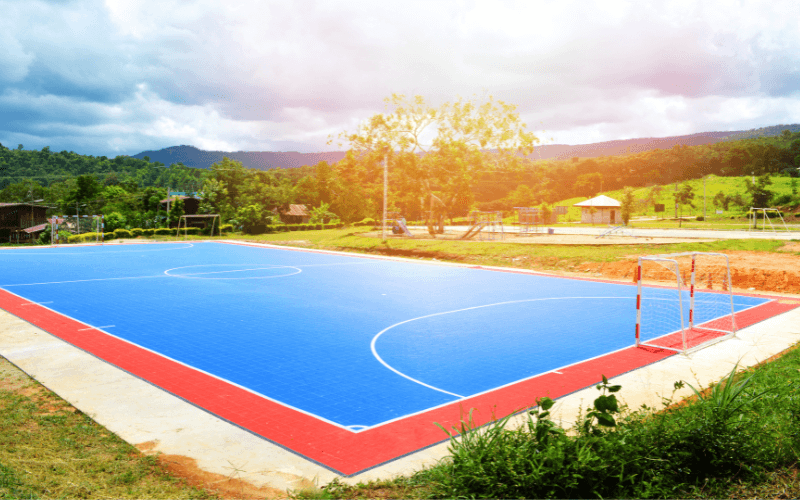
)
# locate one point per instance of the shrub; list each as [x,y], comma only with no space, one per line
[368,221]
[700,218]
[164,231]
[109,236]
[226,228]
[114,220]
[148,232]
[78,238]
[190,231]
[122,233]
[137,232]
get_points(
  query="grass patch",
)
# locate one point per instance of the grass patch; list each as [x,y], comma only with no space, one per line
[505,253]
[737,438]
[50,450]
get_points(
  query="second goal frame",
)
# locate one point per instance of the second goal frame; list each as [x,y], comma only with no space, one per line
[215,218]
[672,263]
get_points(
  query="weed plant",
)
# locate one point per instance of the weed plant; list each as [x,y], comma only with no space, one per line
[736,432]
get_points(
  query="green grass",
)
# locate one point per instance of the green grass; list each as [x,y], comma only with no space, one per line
[714,184]
[50,450]
[506,253]
[737,439]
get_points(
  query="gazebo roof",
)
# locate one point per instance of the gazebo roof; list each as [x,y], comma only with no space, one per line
[601,201]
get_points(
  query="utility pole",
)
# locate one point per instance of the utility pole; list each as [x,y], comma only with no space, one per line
[676,200]
[167,206]
[704,197]
[385,195]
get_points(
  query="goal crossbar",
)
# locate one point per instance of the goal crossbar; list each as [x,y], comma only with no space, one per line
[707,326]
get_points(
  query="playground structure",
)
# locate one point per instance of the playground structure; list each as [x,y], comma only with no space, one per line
[617,231]
[528,219]
[397,223]
[485,223]
[753,215]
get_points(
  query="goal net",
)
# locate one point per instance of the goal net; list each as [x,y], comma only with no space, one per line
[684,301]
[199,220]
[75,224]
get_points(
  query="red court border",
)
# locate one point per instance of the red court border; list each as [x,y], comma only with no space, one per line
[342,451]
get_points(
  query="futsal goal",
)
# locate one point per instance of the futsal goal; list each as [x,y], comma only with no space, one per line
[198,220]
[684,301]
[77,224]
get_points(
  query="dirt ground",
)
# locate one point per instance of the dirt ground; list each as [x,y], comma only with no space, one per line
[223,486]
[750,271]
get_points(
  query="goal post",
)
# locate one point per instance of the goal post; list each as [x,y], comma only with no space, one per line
[691,304]
[756,213]
[215,222]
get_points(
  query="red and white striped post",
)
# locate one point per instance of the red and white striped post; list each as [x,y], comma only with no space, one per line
[691,296]
[638,300]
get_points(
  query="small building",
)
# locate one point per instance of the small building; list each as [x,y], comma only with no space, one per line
[600,210]
[15,218]
[296,214]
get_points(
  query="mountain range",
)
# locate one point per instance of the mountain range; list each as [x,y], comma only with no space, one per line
[265,160]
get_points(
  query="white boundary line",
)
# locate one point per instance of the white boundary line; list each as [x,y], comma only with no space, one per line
[384,363]
[82,281]
[58,252]
[176,362]
[202,275]
[360,428]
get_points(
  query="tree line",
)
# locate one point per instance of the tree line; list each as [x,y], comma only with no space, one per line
[440,162]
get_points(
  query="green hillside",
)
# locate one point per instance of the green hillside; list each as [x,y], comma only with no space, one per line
[785,191]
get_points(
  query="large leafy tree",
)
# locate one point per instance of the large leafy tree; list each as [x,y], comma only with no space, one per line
[436,153]
[684,196]
[759,193]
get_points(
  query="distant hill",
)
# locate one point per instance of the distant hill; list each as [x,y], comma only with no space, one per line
[262,160]
[265,160]
[613,148]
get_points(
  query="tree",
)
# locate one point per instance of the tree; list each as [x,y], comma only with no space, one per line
[522,196]
[215,199]
[683,196]
[759,194]
[85,192]
[627,205]
[588,184]
[176,210]
[250,217]
[722,200]
[321,215]
[545,212]
[115,220]
[441,149]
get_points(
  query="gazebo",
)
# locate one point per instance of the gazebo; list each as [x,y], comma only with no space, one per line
[600,210]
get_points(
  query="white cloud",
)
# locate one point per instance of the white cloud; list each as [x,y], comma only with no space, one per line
[255,74]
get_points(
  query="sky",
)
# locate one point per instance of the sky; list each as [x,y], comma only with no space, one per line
[118,77]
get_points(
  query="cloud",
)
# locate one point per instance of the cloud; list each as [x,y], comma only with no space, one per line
[122,76]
